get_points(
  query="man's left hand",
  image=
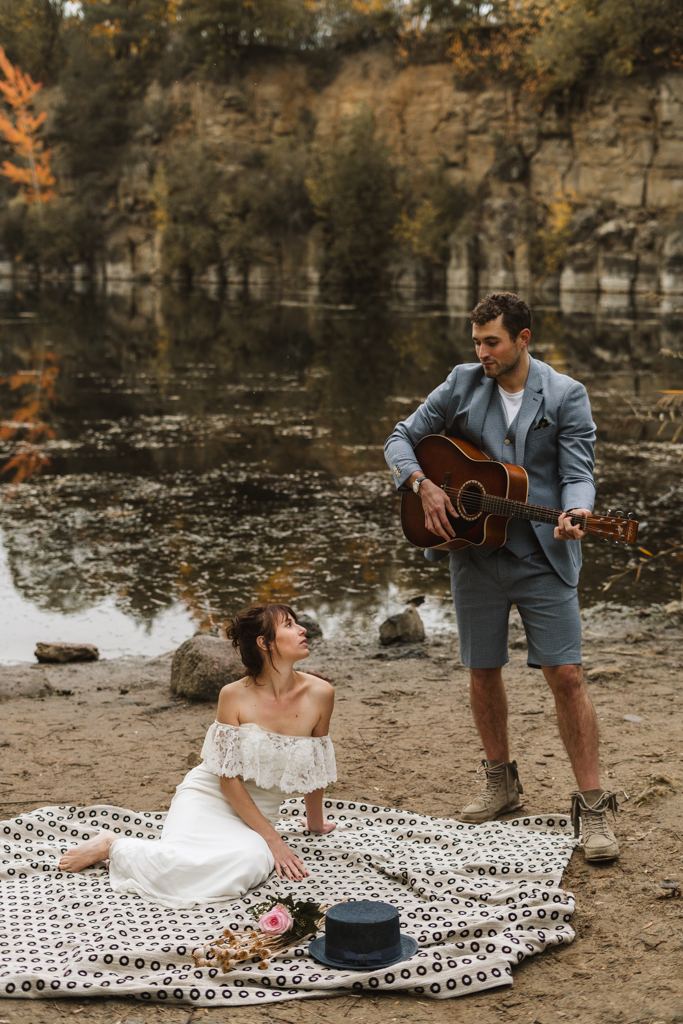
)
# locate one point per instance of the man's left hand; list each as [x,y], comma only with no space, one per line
[565,530]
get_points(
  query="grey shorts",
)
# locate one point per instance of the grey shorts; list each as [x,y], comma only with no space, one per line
[485,588]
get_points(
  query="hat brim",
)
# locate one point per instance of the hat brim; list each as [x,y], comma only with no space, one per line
[317,950]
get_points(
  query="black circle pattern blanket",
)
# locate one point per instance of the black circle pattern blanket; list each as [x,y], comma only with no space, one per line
[478,899]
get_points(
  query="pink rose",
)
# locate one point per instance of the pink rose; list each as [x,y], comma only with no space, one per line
[276,921]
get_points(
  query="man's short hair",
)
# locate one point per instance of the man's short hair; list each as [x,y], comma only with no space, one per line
[516,313]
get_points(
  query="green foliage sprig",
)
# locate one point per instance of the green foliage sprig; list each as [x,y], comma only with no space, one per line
[306,914]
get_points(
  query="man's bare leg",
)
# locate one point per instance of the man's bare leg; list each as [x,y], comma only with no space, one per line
[489,704]
[577,722]
[490,709]
[88,853]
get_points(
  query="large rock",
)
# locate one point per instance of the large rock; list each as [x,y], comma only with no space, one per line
[404,628]
[60,653]
[202,666]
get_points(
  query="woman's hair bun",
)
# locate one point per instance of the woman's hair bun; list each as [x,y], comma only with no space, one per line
[245,628]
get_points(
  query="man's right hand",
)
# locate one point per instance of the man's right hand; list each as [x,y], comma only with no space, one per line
[437,507]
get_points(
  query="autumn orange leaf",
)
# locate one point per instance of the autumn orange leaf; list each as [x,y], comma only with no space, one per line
[21,131]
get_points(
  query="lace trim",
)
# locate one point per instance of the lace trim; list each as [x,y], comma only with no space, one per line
[295,764]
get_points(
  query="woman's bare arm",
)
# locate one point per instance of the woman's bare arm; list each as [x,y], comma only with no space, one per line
[325,698]
[314,820]
[285,861]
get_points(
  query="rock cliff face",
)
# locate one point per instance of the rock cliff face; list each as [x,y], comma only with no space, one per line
[588,199]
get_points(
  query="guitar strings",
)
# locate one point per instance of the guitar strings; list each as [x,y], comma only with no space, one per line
[478,502]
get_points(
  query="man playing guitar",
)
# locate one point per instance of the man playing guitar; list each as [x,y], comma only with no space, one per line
[517,410]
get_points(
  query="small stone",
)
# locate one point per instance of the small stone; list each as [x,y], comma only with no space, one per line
[404,628]
[673,609]
[632,718]
[60,653]
[311,625]
[202,666]
[605,673]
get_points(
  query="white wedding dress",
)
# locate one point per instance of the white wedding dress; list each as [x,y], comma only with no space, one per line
[207,852]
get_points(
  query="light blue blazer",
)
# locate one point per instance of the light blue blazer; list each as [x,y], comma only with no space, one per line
[554,439]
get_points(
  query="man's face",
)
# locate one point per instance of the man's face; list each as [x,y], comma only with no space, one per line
[495,349]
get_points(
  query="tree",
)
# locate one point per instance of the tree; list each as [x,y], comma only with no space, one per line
[217,31]
[31,33]
[353,190]
[19,91]
[132,28]
[605,39]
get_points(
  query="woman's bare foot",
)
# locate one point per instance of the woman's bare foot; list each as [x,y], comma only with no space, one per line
[87,853]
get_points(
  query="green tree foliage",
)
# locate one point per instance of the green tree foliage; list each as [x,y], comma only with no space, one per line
[426,231]
[31,34]
[217,31]
[267,203]
[57,234]
[135,30]
[354,192]
[607,39]
[552,45]
[186,191]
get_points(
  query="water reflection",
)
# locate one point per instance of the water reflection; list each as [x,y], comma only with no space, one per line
[204,454]
[26,429]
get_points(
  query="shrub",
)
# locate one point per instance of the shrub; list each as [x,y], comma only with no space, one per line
[426,231]
[549,246]
[354,192]
[185,191]
[267,202]
[56,234]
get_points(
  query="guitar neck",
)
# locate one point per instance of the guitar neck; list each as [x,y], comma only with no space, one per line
[534,513]
[601,526]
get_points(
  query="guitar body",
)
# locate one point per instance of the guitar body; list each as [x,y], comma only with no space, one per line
[459,466]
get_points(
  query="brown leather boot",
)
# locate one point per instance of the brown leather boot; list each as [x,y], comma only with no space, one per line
[501,794]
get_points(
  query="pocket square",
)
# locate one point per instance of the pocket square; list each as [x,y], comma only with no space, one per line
[541,424]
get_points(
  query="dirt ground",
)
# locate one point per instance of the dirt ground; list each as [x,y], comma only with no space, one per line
[110,732]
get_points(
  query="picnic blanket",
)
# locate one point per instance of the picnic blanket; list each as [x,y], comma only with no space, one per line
[478,899]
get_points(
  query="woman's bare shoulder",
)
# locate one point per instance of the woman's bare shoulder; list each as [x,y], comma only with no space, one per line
[318,680]
[229,700]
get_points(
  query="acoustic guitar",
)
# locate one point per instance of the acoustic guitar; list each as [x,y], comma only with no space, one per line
[486,495]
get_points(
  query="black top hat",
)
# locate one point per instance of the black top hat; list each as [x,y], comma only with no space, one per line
[361,936]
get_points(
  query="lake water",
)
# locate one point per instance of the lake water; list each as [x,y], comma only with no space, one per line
[205,453]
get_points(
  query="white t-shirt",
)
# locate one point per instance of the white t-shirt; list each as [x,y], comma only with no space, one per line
[511,403]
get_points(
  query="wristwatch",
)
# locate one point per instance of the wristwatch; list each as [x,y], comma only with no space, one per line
[416,483]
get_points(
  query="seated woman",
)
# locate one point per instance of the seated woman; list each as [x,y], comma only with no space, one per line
[270,738]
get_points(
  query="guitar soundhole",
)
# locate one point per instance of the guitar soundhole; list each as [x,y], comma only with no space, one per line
[470,499]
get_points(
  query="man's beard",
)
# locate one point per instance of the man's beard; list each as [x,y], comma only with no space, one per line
[497,369]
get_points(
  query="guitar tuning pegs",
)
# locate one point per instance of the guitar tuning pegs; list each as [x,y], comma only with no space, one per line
[609,512]
[619,514]
[631,515]
[616,543]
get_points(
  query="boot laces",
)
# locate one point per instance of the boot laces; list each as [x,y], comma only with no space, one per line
[594,815]
[497,775]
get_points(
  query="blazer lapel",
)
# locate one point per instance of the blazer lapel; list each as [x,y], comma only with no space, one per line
[478,409]
[530,409]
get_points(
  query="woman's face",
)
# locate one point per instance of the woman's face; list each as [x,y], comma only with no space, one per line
[290,641]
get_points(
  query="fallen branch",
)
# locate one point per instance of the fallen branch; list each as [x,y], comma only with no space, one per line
[639,566]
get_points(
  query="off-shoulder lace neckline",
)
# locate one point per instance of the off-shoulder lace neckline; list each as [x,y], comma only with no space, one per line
[269,732]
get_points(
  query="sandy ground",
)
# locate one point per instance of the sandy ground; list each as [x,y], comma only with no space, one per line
[110,732]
